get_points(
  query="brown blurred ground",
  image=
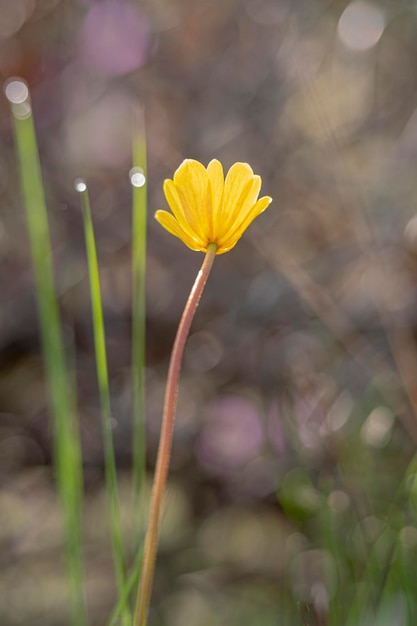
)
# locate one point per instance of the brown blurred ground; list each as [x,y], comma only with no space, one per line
[303,348]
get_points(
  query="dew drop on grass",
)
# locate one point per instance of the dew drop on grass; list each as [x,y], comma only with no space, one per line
[17,93]
[137,177]
[80,185]
[361,26]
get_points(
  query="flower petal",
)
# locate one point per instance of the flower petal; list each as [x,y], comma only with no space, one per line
[170,224]
[174,202]
[234,216]
[216,178]
[191,182]
[232,236]
[237,178]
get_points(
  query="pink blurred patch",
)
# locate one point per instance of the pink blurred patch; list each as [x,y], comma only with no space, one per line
[233,435]
[114,38]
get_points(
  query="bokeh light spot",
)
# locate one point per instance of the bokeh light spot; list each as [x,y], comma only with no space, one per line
[361,26]
[137,177]
[203,352]
[408,536]
[80,185]
[376,430]
[338,501]
[16,91]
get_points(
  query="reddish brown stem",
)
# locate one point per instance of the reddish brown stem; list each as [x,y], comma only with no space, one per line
[165,441]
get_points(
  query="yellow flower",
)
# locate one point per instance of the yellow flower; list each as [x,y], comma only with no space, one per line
[209,209]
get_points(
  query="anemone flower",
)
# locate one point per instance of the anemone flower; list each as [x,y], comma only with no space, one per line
[210,214]
[207,208]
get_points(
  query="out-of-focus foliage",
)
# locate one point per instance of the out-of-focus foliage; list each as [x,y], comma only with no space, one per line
[290,501]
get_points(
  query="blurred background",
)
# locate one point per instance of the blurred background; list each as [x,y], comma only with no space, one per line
[296,422]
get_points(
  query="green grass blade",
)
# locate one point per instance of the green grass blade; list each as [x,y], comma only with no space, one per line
[139,187]
[66,436]
[131,585]
[104,392]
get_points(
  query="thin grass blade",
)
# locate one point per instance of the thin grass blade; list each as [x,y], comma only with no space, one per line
[131,585]
[138,175]
[104,392]
[66,435]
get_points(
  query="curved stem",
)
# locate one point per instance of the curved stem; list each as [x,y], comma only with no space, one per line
[165,441]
